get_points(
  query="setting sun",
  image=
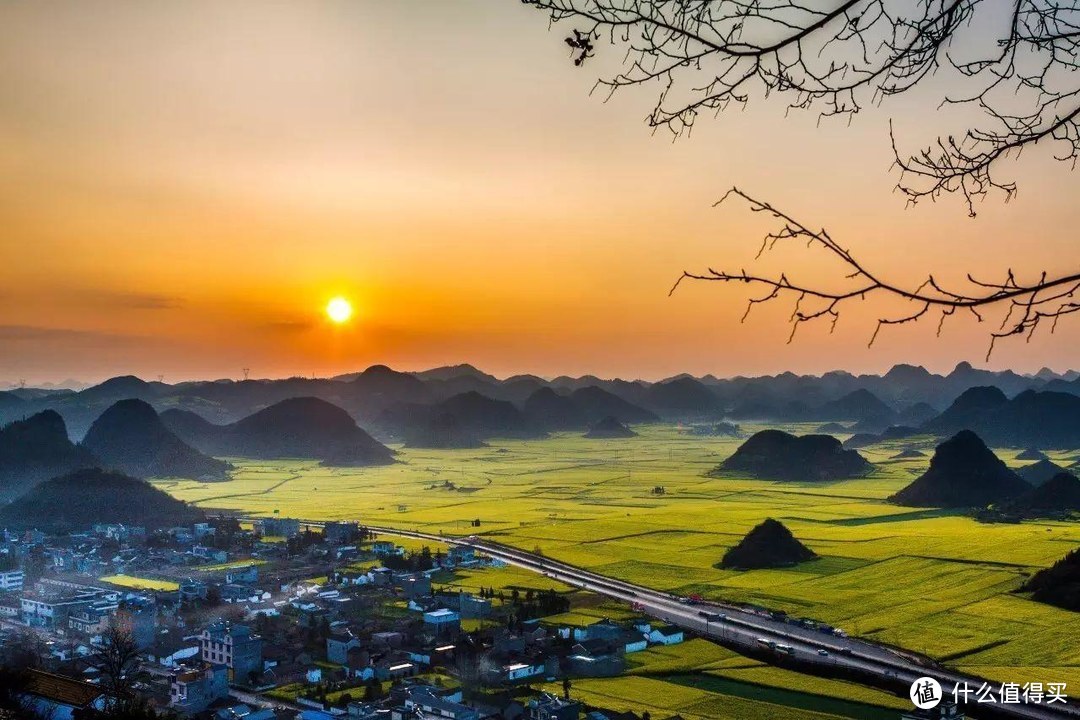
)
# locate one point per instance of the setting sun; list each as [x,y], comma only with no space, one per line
[339,310]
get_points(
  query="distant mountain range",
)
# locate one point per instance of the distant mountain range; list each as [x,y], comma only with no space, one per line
[905,395]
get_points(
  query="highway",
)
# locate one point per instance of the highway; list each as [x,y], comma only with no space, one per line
[855,659]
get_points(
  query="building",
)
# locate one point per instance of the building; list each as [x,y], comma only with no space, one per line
[242,574]
[666,635]
[193,688]
[11,580]
[53,602]
[551,707]
[425,701]
[55,697]
[443,622]
[234,647]
[277,527]
[338,645]
[339,533]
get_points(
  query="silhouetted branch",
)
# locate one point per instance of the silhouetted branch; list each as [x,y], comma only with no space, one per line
[1028,304]
[1013,61]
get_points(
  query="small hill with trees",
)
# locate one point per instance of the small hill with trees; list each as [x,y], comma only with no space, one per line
[597,403]
[1039,472]
[552,411]
[609,428]
[37,449]
[768,545]
[87,497]
[1057,585]
[130,437]
[301,427]
[963,473]
[442,431]
[777,455]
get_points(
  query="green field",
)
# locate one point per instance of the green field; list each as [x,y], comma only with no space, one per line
[931,581]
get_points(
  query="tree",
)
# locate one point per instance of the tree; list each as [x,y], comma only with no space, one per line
[1028,304]
[118,659]
[1011,62]
[1008,70]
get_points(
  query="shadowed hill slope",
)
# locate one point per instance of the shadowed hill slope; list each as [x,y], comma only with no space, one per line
[91,496]
[963,473]
[777,455]
[130,437]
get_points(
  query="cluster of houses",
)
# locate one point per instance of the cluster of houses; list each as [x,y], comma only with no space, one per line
[364,640]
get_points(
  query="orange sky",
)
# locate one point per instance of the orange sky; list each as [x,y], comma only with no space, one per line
[184,185]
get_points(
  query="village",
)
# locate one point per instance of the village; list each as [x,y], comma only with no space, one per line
[276,620]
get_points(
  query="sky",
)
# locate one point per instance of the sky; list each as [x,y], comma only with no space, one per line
[184,186]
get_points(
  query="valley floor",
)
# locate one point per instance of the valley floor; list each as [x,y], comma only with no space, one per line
[933,582]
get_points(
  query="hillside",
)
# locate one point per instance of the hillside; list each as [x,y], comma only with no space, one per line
[442,431]
[682,396]
[768,545]
[963,473]
[861,406]
[90,496]
[966,410]
[130,437]
[1031,419]
[609,428]
[1058,584]
[302,427]
[1039,472]
[1060,493]
[777,455]
[36,449]
[597,403]
[547,409]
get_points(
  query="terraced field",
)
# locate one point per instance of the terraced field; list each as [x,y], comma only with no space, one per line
[930,581]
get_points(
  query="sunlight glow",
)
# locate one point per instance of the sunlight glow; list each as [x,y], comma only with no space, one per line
[339,310]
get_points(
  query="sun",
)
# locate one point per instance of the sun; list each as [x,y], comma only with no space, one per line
[339,310]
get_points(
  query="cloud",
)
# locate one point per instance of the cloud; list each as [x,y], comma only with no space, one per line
[66,336]
[130,300]
[289,326]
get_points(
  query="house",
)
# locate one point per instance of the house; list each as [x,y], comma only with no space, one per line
[424,702]
[11,580]
[443,622]
[55,697]
[193,688]
[339,533]
[666,635]
[277,527]
[338,645]
[416,585]
[552,707]
[384,547]
[242,574]
[233,646]
[473,607]
[460,555]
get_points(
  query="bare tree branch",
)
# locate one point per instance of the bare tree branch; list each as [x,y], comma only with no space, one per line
[1012,62]
[1028,304]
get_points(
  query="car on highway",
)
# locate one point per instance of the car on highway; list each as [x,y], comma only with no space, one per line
[823,652]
